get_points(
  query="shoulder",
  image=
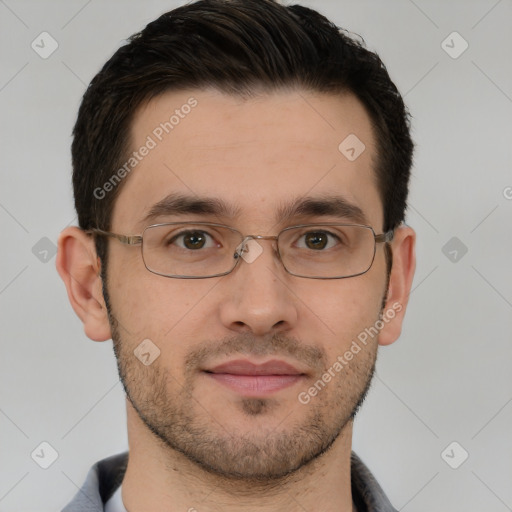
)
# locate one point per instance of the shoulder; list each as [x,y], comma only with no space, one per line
[101,482]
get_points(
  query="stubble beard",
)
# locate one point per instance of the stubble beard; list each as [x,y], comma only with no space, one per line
[174,414]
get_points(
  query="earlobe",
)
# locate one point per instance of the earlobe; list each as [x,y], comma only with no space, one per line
[79,268]
[400,282]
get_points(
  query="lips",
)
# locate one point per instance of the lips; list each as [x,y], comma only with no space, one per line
[256,380]
[243,367]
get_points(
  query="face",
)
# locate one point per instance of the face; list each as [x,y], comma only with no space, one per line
[238,353]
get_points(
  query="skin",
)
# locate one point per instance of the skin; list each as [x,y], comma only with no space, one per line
[215,449]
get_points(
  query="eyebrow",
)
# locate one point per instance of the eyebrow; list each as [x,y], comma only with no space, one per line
[328,205]
[178,204]
[332,206]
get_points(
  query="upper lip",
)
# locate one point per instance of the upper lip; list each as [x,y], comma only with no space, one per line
[244,367]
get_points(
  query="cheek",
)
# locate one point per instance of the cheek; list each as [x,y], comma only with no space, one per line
[343,309]
[169,312]
[138,297]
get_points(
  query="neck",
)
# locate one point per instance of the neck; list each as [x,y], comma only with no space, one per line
[160,479]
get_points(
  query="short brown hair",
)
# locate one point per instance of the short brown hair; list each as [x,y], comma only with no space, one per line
[238,47]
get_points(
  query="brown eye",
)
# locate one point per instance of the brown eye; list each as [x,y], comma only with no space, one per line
[316,240]
[194,240]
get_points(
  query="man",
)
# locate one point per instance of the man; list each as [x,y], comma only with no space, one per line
[240,171]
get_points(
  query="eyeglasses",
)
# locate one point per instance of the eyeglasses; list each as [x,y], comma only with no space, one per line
[190,250]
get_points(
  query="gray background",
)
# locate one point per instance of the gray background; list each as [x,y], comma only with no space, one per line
[447,379]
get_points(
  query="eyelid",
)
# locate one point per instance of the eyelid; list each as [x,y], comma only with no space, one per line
[333,238]
[182,231]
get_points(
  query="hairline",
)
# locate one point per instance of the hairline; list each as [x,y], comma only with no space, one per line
[245,93]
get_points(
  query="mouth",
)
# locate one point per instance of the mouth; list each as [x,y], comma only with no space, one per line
[255,380]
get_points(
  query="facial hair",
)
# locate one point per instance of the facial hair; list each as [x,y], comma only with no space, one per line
[173,411]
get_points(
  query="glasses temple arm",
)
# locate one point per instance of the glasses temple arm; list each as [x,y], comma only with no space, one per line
[385,237]
[124,239]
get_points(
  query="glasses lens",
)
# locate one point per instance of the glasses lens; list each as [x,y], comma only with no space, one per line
[189,250]
[327,251]
[206,250]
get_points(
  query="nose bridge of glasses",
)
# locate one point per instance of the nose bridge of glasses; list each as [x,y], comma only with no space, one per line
[242,247]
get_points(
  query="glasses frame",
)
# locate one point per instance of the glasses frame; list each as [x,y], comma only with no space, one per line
[133,240]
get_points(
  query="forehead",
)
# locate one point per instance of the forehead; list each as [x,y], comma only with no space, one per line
[257,156]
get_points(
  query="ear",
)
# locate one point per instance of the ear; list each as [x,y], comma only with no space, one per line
[400,282]
[79,267]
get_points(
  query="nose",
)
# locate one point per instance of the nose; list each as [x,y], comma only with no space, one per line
[258,293]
